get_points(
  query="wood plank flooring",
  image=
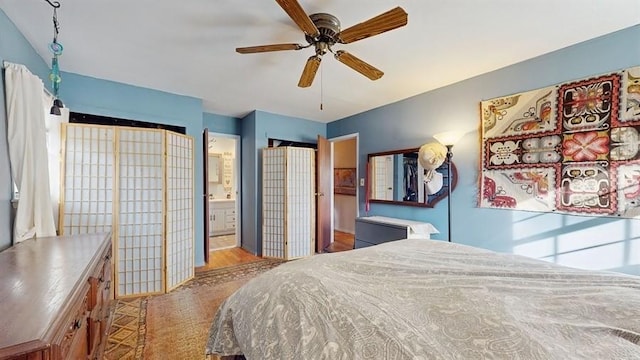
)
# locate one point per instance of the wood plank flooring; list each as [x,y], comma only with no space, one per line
[342,241]
[222,242]
[228,257]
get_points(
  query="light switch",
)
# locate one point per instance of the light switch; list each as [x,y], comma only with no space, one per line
[361,181]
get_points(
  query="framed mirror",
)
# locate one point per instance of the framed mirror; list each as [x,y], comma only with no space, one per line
[396,177]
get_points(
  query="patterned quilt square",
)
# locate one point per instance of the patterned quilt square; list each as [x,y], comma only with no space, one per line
[630,104]
[524,189]
[528,113]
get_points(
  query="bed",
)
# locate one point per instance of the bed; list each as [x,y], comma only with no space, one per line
[425,299]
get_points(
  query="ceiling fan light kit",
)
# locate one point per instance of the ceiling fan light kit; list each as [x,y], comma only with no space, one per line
[322,31]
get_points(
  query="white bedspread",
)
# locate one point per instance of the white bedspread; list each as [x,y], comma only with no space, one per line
[423,299]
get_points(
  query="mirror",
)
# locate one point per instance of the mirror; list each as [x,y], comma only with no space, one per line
[396,177]
[214,167]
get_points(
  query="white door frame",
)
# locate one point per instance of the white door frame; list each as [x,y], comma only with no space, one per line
[359,176]
[237,179]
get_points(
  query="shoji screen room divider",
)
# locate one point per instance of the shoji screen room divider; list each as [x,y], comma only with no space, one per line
[137,183]
[288,202]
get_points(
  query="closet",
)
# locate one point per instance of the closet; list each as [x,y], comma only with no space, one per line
[138,184]
[288,202]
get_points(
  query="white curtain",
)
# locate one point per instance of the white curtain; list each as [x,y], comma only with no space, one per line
[28,153]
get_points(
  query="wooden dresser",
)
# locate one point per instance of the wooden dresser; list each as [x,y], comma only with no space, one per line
[55,294]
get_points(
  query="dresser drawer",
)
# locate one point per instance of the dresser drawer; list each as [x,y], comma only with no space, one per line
[375,233]
[359,244]
[374,230]
[73,343]
[100,281]
[100,296]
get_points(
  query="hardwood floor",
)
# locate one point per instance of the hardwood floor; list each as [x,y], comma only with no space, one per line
[228,257]
[342,241]
[222,242]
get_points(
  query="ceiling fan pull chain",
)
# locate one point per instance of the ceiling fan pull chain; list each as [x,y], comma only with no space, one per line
[321,88]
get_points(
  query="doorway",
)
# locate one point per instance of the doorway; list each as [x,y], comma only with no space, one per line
[223,192]
[345,196]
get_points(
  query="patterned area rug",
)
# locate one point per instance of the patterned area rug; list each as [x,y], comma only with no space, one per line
[176,325]
[128,329]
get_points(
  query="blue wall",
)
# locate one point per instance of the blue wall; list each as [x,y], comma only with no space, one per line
[602,243]
[14,48]
[222,124]
[249,185]
[257,128]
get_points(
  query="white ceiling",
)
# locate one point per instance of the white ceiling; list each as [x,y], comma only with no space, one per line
[188,47]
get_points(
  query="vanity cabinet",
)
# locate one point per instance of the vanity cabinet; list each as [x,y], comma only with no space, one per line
[222,217]
[374,230]
[56,293]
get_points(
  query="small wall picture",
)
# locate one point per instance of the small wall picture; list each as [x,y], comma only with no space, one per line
[344,181]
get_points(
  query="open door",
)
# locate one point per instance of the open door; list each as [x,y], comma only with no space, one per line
[205,195]
[323,194]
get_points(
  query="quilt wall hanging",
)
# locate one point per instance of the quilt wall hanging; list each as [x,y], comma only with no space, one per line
[570,148]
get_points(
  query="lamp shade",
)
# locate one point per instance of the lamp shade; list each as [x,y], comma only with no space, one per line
[449,138]
[55,110]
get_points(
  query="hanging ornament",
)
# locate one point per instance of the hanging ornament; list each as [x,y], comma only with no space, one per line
[56,49]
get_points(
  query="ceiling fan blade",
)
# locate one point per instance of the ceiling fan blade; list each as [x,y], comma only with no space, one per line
[358,65]
[297,14]
[266,48]
[389,20]
[309,72]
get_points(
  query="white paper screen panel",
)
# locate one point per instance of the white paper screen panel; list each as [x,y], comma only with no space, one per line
[139,245]
[273,215]
[87,194]
[288,202]
[180,226]
[300,196]
[383,165]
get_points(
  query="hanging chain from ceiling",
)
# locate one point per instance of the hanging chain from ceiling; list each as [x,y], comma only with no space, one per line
[56,48]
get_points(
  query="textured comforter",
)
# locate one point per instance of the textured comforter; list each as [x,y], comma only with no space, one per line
[423,299]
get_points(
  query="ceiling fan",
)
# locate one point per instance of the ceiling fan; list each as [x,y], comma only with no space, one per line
[322,31]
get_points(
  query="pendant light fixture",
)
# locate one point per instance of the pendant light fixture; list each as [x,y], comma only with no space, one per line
[56,49]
